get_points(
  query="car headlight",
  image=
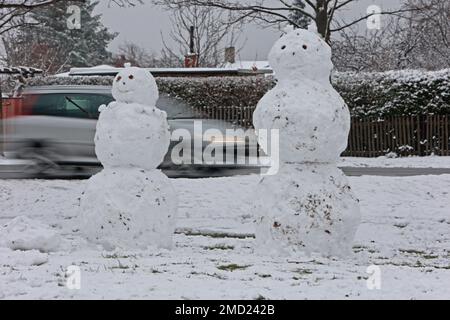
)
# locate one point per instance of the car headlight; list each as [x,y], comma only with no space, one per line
[227,140]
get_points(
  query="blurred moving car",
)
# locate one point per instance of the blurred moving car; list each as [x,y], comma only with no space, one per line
[56,129]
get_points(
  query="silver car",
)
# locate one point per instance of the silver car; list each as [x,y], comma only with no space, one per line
[56,130]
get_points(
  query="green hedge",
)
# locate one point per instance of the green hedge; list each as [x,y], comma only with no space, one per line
[392,93]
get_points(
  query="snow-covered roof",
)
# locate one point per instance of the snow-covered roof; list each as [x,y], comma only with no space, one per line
[249,65]
[108,70]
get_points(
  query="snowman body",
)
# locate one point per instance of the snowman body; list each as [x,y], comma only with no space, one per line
[312,128]
[130,204]
[308,207]
[132,135]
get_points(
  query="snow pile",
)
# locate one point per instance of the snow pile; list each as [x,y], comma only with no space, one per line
[23,233]
[130,204]
[17,258]
[308,207]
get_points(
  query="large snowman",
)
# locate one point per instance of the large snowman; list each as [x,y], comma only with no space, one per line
[308,207]
[130,204]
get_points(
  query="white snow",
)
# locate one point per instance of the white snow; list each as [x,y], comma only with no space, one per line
[130,204]
[24,234]
[407,162]
[308,206]
[15,258]
[405,230]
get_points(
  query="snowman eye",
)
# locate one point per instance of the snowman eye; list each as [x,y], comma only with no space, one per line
[305,46]
[119,78]
[283,47]
[131,77]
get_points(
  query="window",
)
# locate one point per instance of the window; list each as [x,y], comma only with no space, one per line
[69,105]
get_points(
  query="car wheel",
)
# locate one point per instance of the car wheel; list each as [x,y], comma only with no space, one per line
[41,156]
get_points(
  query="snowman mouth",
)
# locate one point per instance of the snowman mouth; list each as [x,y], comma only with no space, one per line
[124,91]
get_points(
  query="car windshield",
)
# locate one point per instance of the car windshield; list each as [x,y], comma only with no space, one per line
[85,105]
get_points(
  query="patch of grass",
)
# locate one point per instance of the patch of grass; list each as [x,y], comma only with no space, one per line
[116,256]
[219,247]
[154,271]
[401,225]
[304,271]
[121,266]
[215,235]
[217,276]
[413,251]
[232,267]
[430,257]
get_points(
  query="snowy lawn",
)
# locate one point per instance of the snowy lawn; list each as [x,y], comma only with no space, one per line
[405,231]
[406,162]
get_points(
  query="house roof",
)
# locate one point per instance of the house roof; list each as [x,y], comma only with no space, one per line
[105,70]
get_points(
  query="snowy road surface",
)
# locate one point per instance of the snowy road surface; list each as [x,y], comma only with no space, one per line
[405,231]
[382,166]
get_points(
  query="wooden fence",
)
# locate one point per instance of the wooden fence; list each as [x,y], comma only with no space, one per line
[403,135]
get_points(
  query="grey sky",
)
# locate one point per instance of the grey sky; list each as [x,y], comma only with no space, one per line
[144,25]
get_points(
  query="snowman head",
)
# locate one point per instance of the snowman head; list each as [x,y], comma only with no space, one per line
[301,54]
[135,85]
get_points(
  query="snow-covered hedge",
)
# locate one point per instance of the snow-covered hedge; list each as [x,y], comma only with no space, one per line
[367,94]
[217,92]
[395,93]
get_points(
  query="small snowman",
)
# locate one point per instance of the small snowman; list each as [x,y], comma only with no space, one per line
[130,204]
[308,207]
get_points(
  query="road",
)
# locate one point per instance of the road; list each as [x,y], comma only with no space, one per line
[20,170]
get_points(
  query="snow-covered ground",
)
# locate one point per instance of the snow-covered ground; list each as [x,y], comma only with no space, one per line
[405,231]
[407,162]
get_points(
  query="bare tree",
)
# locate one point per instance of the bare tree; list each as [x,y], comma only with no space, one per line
[419,40]
[322,12]
[137,55]
[32,52]
[125,3]
[213,31]
[431,28]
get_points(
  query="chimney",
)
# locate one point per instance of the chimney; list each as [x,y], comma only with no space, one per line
[191,59]
[230,55]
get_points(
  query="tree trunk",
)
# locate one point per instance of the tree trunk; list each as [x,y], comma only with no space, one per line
[322,19]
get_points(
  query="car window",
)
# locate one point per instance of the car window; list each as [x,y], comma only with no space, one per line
[176,109]
[69,105]
[85,105]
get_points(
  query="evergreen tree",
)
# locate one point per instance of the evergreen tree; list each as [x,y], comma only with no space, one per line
[299,18]
[51,45]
